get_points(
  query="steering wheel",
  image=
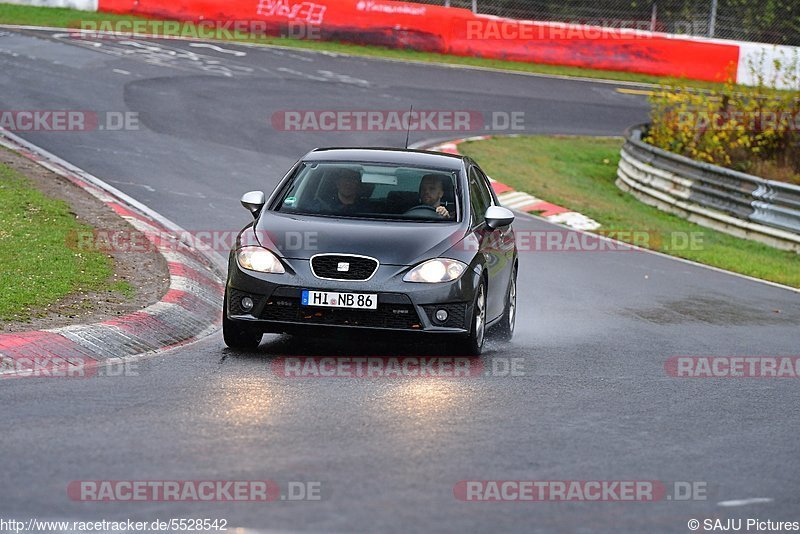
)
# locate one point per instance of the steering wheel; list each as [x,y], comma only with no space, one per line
[420,210]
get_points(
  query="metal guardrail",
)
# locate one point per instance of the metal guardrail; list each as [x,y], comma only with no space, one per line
[727,200]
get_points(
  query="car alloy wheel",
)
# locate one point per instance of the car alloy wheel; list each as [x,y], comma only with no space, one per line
[505,330]
[474,342]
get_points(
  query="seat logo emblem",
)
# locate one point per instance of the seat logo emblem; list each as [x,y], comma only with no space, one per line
[343,267]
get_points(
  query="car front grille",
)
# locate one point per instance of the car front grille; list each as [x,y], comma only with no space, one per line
[357,267]
[397,316]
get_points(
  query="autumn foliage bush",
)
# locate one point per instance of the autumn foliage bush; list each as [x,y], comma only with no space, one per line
[750,129]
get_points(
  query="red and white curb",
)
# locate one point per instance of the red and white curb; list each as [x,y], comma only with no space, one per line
[521,201]
[190,310]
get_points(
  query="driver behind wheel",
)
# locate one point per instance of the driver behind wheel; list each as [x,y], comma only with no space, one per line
[431,191]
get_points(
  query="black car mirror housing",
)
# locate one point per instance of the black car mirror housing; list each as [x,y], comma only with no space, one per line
[498,217]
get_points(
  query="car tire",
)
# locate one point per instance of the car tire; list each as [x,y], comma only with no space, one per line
[238,336]
[505,329]
[473,344]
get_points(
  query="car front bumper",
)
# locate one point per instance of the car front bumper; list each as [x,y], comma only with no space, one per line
[402,306]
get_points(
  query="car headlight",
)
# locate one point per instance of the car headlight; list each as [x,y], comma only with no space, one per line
[259,259]
[435,271]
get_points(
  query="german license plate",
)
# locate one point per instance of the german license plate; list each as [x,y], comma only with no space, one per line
[333,299]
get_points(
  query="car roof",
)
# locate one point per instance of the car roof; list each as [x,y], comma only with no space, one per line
[398,156]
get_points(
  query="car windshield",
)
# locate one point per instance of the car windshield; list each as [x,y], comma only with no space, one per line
[371,191]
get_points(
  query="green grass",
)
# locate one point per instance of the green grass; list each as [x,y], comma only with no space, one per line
[52,16]
[579,173]
[38,266]
[71,18]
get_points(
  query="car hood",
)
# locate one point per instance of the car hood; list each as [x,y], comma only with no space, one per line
[391,243]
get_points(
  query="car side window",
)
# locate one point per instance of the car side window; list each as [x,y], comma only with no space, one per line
[479,197]
[487,187]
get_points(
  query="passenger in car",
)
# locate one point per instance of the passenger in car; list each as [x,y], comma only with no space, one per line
[431,191]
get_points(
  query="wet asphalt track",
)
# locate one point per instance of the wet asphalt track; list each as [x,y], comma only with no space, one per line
[594,329]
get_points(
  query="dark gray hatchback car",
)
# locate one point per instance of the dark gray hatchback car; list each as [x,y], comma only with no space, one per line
[378,239]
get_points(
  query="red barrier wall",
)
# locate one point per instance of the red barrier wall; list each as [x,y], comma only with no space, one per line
[592,47]
[458,31]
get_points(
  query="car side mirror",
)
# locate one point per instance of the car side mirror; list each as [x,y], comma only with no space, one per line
[254,202]
[498,217]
